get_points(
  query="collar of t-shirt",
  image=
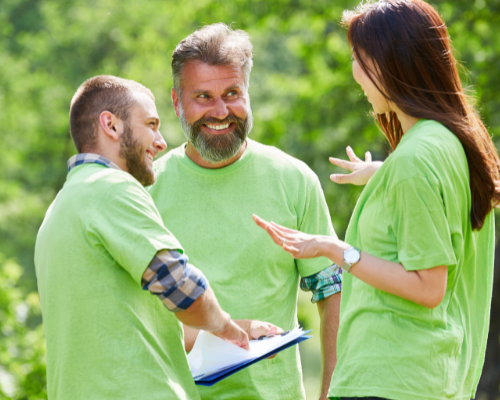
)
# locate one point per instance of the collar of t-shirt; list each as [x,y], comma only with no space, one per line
[85,158]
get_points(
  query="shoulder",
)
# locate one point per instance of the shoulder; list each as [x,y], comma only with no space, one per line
[280,162]
[432,151]
[109,184]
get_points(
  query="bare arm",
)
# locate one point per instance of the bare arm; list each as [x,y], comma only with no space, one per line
[328,309]
[184,290]
[425,287]
[205,313]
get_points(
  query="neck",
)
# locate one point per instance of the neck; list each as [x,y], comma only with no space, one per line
[407,121]
[195,157]
[112,156]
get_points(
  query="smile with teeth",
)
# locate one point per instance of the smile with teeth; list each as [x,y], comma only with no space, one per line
[217,127]
[150,156]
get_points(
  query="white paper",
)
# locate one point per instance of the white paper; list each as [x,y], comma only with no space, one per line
[211,354]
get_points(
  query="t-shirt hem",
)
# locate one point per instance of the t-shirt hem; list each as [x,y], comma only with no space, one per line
[345,391]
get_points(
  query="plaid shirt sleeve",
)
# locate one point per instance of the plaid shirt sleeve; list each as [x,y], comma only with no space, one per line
[323,284]
[176,282]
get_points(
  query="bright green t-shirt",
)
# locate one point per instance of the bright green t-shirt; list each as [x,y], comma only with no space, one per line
[415,211]
[106,337]
[210,212]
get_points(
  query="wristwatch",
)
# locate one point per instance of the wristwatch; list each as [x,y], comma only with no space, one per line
[351,257]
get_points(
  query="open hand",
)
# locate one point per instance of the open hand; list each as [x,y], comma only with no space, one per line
[298,244]
[362,171]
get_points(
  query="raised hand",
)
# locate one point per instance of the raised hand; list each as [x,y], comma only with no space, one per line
[298,244]
[362,171]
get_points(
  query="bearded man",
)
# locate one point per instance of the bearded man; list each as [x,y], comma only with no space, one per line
[218,180]
[101,241]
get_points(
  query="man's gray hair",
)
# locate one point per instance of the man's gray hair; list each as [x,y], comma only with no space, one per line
[216,44]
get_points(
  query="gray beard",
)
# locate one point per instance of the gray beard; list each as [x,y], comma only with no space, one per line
[217,148]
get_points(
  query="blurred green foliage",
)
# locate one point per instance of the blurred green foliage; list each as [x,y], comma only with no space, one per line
[22,344]
[303,96]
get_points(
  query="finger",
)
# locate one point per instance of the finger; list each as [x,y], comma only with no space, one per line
[341,163]
[368,156]
[274,235]
[352,156]
[244,343]
[283,229]
[263,330]
[277,329]
[291,250]
[342,178]
[260,222]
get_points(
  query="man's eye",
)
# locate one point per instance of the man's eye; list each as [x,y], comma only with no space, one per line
[231,93]
[203,96]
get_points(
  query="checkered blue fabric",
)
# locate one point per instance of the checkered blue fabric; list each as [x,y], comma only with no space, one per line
[84,158]
[176,282]
[323,284]
[169,275]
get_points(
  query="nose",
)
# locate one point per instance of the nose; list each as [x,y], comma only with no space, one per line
[159,143]
[219,110]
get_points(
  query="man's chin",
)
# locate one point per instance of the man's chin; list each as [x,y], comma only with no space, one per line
[146,177]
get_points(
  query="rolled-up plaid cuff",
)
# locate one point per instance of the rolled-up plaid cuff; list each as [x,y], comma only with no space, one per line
[176,282]
[323,284]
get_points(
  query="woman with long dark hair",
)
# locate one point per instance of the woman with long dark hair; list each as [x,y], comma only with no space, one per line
[419,247]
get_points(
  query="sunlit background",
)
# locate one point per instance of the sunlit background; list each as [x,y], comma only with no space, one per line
[304,100]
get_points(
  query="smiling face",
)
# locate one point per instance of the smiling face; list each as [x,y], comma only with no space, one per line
[379,103]
[141,139]
[214,109]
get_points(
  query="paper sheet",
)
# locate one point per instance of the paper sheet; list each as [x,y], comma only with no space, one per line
[211,354]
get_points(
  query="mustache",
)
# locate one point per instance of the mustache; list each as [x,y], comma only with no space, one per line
[211,120]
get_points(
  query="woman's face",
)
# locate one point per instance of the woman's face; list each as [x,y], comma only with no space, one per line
[375,97]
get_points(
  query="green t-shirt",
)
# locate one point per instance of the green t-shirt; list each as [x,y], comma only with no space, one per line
[210,212]
[416,211]
[106,337]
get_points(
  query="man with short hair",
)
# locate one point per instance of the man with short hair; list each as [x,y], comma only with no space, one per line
[220,178]
[101,240]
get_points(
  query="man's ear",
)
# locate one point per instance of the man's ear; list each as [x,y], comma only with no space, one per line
[175,101]
[111,125]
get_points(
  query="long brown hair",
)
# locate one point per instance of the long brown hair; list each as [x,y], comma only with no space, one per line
[409,44]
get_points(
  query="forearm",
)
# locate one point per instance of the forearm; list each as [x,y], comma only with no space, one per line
[205,313]
[425,287]
[329,310]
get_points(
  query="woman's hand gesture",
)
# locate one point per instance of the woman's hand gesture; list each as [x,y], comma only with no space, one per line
[298,244]
[362,171]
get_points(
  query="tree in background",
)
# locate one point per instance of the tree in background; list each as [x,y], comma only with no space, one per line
[22,344]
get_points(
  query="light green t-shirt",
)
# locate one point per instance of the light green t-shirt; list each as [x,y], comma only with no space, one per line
[210,212]
[106,337]
[416,211]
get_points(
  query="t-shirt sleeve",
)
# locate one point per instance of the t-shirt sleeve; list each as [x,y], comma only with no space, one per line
[420,225]
[315,220]
[127,224]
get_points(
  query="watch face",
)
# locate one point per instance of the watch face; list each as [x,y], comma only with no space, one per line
[351,256]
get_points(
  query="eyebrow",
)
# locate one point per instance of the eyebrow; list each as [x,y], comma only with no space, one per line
[236,86]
